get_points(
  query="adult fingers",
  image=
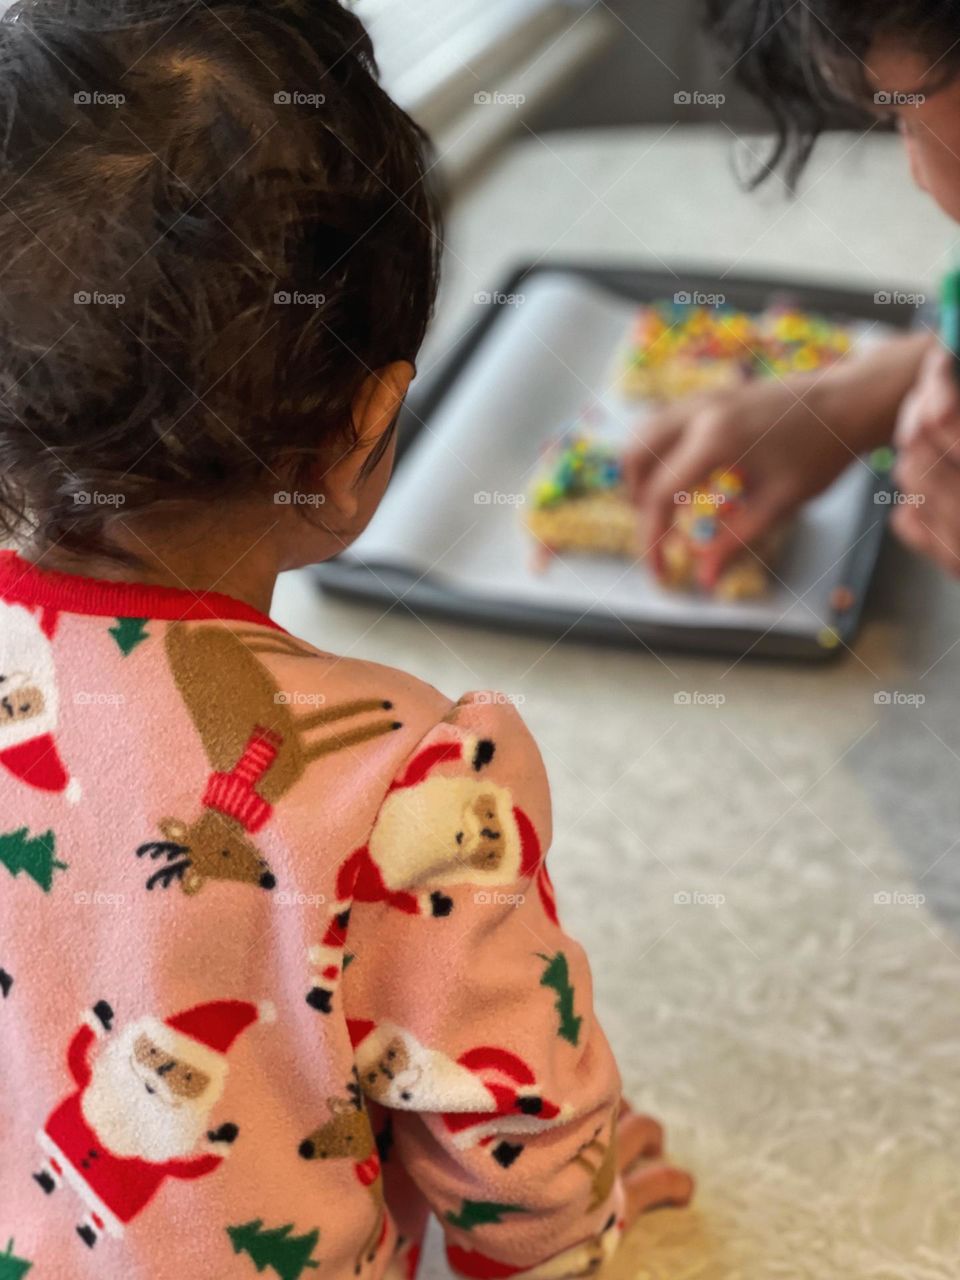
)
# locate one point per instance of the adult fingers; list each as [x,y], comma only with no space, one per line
[684,468]
[653,441]
[746,527]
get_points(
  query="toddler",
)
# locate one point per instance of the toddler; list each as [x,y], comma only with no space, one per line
[280,964]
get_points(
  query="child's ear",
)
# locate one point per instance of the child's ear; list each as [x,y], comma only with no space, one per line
[374,409]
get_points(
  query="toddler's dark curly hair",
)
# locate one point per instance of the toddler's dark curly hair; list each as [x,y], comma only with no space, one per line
[214,225]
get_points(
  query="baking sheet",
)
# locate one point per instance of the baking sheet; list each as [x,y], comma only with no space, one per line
[454,508]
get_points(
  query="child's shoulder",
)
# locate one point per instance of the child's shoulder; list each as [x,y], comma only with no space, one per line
[247,677]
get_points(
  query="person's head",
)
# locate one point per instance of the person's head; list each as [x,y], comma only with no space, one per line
[898,59]
[218,259]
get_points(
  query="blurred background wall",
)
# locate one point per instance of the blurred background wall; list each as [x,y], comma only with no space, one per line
[656,50]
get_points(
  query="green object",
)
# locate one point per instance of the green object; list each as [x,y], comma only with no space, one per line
[128,633]
[557,977]
[950,314]
[34,855]
[481,1213]
[288,1255]
[11,1267]
[883,459]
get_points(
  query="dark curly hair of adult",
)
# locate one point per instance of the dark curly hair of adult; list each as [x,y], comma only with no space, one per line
[214,224]
[806,60]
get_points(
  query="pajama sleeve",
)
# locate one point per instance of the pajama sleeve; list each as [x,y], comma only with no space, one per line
[470,1010]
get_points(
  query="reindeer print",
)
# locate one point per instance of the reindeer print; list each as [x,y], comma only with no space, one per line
[348,1135]
[598,1158]
[258,747]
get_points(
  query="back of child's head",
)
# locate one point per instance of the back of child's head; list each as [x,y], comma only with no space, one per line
[214,225]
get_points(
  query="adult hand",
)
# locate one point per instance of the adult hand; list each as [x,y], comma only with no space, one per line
[791,438]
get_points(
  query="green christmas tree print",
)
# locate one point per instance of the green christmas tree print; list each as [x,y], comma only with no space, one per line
[34,855]
[481,1213]
[11,1267]
[557,977]
[128,633]
[288,1255]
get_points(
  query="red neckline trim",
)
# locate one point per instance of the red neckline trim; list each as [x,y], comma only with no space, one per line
[26,583]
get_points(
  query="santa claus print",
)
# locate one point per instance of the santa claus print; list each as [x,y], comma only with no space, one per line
[436,828]
[141,1109]
[29,701]
[483,1094]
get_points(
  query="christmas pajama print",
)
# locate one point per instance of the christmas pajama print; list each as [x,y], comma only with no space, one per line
[280,965]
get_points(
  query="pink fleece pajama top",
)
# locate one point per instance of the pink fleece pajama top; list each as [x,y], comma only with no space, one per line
[280,965]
